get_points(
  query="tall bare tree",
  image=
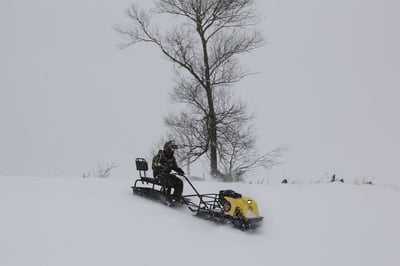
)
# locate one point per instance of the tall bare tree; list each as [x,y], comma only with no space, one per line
[203,42]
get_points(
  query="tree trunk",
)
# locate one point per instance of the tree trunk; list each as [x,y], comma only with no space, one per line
[212,127]
[212,120]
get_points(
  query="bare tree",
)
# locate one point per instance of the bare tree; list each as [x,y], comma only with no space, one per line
[203,42]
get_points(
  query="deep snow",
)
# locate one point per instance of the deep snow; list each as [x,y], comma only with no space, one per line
[93,221]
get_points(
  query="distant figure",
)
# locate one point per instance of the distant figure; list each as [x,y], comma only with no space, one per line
[163,163]
[333,179]
[284,181]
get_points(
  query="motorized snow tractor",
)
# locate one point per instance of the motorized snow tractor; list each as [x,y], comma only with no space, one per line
[233,203]
[227,206]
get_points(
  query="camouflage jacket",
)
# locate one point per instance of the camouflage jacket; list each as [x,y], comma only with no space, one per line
[163,164]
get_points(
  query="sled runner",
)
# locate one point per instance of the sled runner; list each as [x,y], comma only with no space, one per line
[225,207]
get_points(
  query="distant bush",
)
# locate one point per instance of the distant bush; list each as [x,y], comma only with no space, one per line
[102,171]
[364,181]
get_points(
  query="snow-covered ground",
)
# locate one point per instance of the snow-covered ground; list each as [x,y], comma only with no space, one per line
[74,221]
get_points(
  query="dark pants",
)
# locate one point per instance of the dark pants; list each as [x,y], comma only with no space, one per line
[172,181]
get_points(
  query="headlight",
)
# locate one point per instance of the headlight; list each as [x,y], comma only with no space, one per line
[249,201]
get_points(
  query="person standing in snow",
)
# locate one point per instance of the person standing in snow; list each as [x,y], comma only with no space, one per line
[163,163]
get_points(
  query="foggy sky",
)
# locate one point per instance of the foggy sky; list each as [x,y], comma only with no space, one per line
[327,87]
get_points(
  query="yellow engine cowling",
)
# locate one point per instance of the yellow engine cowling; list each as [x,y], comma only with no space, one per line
[246,206]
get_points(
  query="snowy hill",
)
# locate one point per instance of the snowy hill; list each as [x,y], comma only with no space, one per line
[93,221]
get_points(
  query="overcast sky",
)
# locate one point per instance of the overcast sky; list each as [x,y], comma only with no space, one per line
[328,88]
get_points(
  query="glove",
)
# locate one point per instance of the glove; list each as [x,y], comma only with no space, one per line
[180,171]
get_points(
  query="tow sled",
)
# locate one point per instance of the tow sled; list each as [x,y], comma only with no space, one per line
[150,187]
[225,207]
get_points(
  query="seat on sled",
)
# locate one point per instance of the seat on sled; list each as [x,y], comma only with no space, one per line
[143,167]
[148,186]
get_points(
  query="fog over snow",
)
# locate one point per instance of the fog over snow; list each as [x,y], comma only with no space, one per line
[327,87]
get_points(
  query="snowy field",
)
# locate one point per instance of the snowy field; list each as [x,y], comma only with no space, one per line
[74,221]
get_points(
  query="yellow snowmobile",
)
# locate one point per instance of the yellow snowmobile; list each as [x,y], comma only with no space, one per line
[227,206]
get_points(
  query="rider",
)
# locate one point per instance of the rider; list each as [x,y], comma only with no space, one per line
[162,165]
